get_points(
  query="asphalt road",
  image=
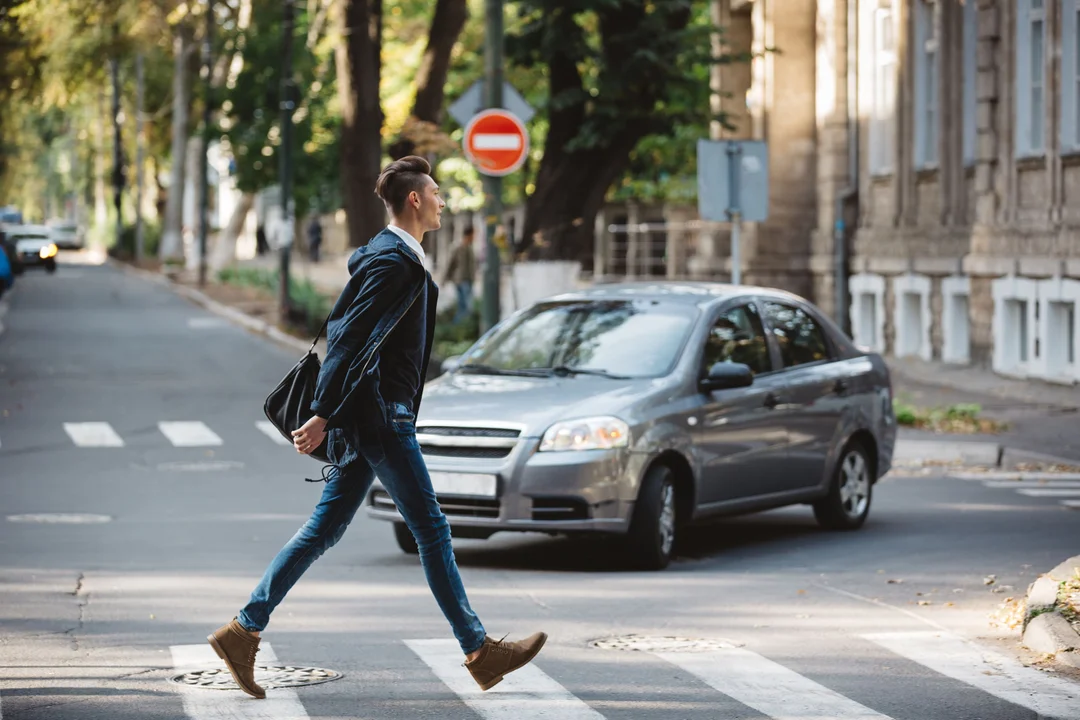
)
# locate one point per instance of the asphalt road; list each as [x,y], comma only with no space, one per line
[177,522]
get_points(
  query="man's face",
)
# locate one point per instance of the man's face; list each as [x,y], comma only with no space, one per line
[431,205]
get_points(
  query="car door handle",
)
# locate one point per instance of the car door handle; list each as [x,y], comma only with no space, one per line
[771,400]
[840,387]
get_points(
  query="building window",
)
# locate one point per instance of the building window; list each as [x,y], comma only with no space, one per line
[868,311]
[1070,75]
[883,119]
[1030,76]
[912,316]
[955,319]
[971,71]
[926,84]
[1015,326]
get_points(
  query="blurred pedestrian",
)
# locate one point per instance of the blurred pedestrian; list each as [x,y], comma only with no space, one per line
[314,233]
[382,319]
[261,246]
[461,270]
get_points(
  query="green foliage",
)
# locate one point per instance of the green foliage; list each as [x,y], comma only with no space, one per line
[958,418]
[451,339]
[125,249]
[310,307]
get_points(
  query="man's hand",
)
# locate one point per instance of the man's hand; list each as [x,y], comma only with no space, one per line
[308,438]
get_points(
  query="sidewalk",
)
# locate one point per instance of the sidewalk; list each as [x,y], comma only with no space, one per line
[1042,418]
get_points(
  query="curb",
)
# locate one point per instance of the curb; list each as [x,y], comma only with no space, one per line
[1046,630]
[253,324]
[910,453]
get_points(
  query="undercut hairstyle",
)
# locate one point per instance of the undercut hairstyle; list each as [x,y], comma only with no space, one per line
[400,178]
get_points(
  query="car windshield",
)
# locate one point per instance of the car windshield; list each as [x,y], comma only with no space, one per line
[620,338]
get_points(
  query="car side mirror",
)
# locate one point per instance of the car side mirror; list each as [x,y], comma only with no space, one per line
[451,363]
[726,376]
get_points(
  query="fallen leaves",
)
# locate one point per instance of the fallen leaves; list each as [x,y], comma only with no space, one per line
[1010,614]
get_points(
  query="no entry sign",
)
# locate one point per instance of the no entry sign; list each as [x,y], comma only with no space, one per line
[496,142]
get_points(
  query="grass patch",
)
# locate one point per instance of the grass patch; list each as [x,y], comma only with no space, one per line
[962,418]
[451,339]
[309,306]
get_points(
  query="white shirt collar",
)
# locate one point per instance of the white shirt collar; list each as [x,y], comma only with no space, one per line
[413,244]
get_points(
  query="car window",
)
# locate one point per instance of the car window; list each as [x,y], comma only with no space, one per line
[738,336]
[800,338]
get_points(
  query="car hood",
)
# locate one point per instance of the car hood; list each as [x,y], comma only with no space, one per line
[535,403]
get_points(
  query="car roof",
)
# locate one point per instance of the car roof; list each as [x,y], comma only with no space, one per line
[701,294]
[25,230]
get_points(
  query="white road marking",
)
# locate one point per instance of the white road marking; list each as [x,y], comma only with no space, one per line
[206,323]
[1007,485]
[93,434]
[201,704]
[189,434]
[527,694]
[496,141]
[986,670]
[271,432]
[60,518]
[1014,476]
[1052,493]
[768,687]
[1071,504]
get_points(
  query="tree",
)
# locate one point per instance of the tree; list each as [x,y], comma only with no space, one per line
[446,26]
[619,71]
[358,75]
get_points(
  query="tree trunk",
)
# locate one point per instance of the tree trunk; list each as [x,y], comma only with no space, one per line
[225,248]
[172,243]
[358,71]
[446,27]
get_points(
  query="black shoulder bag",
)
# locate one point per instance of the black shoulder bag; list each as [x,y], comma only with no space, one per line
[288,407]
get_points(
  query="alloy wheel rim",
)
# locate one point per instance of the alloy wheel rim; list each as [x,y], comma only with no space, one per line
[667,518]
[854,485]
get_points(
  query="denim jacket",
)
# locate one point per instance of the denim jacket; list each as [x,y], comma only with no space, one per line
[387,278]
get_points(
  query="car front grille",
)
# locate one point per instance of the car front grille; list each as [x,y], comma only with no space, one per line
[488,443]
[456,506]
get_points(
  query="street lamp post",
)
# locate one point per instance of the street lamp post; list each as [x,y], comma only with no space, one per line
[204,215]
[287,106]
[493,91]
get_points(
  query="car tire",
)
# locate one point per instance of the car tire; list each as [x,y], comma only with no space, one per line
[405,539]
[50,268]
[653,527]
[850,492]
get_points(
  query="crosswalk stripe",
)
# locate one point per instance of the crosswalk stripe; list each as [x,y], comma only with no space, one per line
[1050,493]
[527,694]
[189,434]
[93,434]
[986,670]
[768,687]
[271,432]
[201,704]
[1015,477]
[1007,485]
[1071,504]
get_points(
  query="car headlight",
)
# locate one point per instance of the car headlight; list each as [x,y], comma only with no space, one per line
[598,433]
[48,251]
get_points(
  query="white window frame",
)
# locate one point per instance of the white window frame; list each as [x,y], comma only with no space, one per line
[1050,366]
[1007,358]
[1070,76]
[906,330]
[971,72]
[955,328]
[867,288]
[1031,100]
[926,84]
[884,79]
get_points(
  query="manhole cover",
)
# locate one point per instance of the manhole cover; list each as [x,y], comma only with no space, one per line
[268,676]
[667,643]
[60,518]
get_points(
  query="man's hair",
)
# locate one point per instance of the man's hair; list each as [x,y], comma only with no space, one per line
[400,178]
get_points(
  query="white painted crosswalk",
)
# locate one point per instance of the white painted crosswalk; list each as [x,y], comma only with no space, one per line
[177,433]
[763,684]
[267,428]
[1064,487]
[189,434]
[93,434]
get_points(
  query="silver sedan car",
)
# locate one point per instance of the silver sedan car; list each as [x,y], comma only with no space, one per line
[639,409]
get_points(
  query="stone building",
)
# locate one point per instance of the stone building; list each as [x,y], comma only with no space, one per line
[940,139]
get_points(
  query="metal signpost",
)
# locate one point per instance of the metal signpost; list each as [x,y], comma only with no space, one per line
[733,185]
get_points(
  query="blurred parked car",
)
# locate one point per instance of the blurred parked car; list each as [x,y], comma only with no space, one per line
[7,248]
[34,246]
[640,409]
[67,234]
[7,274]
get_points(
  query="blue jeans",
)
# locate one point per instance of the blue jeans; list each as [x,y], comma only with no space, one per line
[464,300]
[394,454]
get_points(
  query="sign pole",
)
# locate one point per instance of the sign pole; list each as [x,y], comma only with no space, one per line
[285,180]
[734,151]
[493,90]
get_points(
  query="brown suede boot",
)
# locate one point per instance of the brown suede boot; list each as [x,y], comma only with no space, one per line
[237,647]
[498,659]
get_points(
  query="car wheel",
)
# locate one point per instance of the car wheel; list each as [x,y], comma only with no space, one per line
[654,523]
[51,267]
[848,502]
[405,539]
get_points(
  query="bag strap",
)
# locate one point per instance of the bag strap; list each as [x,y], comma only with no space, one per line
[319,334]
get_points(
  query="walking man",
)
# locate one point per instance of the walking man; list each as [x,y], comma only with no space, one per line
[369,389]
[461,270]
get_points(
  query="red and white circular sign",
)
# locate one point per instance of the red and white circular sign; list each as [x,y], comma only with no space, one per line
[496,142]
